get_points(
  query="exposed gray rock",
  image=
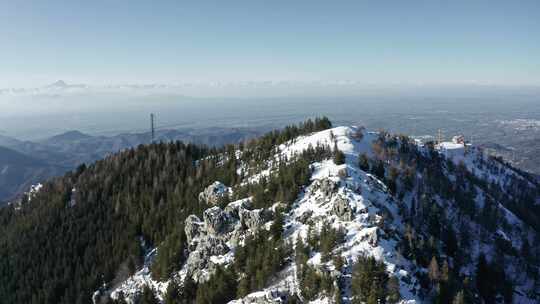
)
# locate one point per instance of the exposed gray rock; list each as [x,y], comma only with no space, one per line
[269,297]
[193,227]
[219,229]
[214,193]
[215,220]
[251,219]
[233,209]
[327,186]
[199,266]
[304,217]
[342,209]
[236,235]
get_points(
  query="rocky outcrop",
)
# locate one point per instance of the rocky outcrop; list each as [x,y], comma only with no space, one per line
[342,209]
[193,227]
[198,264]
[267,297]
[304,218]
[220,230]
[251,219]
[326,186]
[214,193]
[215,220]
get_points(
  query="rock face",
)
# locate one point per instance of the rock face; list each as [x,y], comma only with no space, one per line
[212,238]
[327,186]
[215,220]
[268,297]
[199,265]
[214,193]
[251,219]
[193,227]
[342,209]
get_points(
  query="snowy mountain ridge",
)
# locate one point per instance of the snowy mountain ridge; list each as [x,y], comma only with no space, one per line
[355,202]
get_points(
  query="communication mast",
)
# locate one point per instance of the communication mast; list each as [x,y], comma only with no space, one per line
[439,137]
[152,126]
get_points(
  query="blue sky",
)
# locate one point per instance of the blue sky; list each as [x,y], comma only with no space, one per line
[381,42]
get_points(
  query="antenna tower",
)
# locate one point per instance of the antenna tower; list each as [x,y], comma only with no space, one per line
[152,126]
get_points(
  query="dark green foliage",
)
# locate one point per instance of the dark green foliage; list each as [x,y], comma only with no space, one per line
[172,295]
[391,180]
[220,288]
[378,170]
[314,283]
[393,290]
[67,252]
[188,291]
[285,183]
[259,150]
[491,280]
[53,253]
[262,256]
[276,230]
[363,162]
[329,239]
[147,296]
[339,156]
[170,255]
[369,281]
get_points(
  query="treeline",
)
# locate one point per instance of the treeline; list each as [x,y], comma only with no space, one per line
[285,180]
[258,151]
[431,242]
[84,229]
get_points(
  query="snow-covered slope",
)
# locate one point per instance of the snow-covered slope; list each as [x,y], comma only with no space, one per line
[350,200]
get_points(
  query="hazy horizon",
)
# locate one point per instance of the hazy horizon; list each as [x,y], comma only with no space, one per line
[423,42]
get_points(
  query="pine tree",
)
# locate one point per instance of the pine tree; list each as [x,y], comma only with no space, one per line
[433,271]
[172,295]
[445,273]
[379,170]
[484,282]
[393,290]
[459,298]
[276,229]
[363,162]
[148,296]
[339,156]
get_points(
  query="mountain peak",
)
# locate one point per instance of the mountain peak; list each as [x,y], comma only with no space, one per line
[69,136]
[59,83]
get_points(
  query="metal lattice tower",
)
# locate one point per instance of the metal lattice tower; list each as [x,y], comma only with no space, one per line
[152,126]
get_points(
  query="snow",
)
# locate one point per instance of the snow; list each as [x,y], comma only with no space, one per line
[135,284]
[34,189]
[365,233]
[340,135]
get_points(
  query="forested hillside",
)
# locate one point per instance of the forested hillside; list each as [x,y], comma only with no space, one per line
[84,229]
[304,214]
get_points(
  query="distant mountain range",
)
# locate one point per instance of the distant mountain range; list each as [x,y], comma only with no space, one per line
[18,171]
[23,163]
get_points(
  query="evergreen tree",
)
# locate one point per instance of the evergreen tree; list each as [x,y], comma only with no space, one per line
[484,282]
[433,271]
[339,156]
[393,290]
[148,296]
[276,230]
[172,295]
[363,162]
